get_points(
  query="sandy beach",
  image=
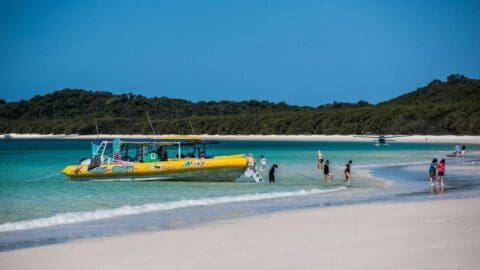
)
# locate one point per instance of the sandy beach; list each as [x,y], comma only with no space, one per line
[441,234]
[320,138]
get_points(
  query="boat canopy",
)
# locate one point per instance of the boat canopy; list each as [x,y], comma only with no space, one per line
[99,146]
[166,141]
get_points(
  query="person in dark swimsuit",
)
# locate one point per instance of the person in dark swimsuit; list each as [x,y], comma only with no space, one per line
[346,172]
[271,173]
[326,172]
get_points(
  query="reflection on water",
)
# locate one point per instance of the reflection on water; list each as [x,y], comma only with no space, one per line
[437,189]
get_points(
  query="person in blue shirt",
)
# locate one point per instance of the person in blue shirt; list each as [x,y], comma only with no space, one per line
[457,150]
[432,171]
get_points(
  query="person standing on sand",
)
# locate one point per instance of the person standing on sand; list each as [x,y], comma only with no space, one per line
[346,172]
[441,171]
[319,160]
[326,172]
[432,171]
[271,173]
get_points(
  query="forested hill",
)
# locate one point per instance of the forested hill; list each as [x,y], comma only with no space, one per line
[441,107]
[457,89]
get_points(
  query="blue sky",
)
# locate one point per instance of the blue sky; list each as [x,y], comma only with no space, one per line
[301,52]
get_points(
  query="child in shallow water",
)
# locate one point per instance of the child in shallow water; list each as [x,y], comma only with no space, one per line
[441,171]
[346,172]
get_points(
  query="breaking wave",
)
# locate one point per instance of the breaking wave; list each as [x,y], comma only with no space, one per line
[76,217]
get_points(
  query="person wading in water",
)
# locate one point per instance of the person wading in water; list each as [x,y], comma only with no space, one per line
[271,174]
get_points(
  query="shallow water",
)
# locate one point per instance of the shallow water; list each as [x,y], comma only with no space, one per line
[38,205]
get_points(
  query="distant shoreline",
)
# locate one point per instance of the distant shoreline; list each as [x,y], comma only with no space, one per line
[313,138]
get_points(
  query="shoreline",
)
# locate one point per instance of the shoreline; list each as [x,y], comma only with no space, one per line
[312,138]
[439,234]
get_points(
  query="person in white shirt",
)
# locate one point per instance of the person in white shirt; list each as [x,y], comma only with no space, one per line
[319,160]
[263,163]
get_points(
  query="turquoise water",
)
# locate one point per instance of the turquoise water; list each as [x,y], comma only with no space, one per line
[35,195]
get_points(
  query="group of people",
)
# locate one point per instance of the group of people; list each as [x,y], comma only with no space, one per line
[327,173]
[252,168]
[436,172]
[436,169]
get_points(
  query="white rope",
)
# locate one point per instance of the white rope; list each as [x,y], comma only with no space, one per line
[44,178]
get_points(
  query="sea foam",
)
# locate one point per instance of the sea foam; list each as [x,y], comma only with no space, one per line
[76,217]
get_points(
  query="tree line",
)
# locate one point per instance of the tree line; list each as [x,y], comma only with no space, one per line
[441,107]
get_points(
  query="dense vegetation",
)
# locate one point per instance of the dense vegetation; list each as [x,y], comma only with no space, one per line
[450,107]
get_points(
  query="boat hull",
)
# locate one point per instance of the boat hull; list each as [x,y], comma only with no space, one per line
[226,168]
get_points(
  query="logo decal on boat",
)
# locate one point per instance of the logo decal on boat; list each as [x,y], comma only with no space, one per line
[187,164]
[98,170]
[200,163]
[122,169]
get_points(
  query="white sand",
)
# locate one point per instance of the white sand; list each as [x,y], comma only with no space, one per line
[436,235]
[350,138]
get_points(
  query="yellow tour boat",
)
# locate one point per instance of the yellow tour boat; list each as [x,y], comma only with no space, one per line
[176,158]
